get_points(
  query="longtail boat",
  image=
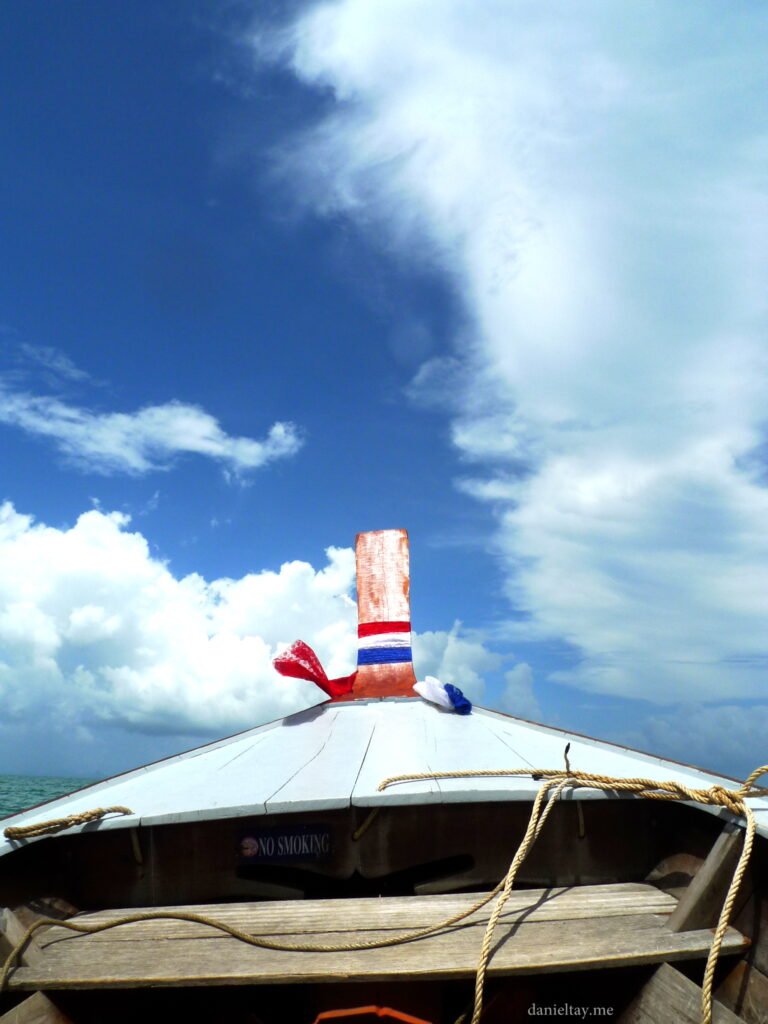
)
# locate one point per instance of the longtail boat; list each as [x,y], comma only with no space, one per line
[384,857]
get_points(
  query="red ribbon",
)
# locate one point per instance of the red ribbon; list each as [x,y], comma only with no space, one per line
[301,662]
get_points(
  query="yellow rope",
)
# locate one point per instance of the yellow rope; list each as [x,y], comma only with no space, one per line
[236,933]
[44,828]
[358,834]
[733,800]
[535,823]
[556,781]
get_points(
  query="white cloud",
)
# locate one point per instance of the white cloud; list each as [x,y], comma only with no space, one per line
[517,696]
[141,441]
[55,363]
[596,191]
[94,630]
[453,658]
[693,733]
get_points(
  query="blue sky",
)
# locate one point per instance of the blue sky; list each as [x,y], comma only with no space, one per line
[274,274]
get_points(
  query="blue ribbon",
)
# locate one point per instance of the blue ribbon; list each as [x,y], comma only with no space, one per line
[383,655]
[460,703]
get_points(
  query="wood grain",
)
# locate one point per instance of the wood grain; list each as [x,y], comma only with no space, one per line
[669,996]
[543,947]
[542,932]
[383,576]
[745,991]
[383,595]
[701,903]
[753,921]
[396,912]
[37,1009]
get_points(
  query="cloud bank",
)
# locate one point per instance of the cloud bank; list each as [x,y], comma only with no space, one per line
[94,630]
[143,441]
[593,182]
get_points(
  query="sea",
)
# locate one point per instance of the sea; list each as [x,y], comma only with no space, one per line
[20,791]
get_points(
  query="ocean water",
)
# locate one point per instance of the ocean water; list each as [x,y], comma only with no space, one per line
[20,791]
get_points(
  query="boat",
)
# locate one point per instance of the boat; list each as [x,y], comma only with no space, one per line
[382,857]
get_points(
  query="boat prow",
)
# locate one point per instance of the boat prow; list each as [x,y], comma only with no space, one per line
[344,864]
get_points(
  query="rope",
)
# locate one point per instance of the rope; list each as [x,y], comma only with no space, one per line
[733,800]
[236,933]
[44,828]
[535,823]
[555,781]
[358,834]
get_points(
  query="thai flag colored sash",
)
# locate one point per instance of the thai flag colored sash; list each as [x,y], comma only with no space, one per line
[383,643]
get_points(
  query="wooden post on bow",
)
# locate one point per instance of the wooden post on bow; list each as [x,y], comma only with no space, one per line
[384,659]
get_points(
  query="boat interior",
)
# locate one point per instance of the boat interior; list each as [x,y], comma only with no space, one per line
[378,909]
[611,916]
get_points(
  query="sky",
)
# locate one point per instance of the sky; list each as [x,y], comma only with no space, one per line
[276,273]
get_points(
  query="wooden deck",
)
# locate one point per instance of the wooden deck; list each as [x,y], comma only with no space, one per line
[541,931]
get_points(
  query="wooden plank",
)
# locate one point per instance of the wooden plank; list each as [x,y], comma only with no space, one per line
[383,595]
[37,1009]
[702,902]
[669,996]
[752,920]
[333,768]
[450,743]
[543,745]
[236,777]
[383,576]
[80,951]
[541,947]
[396,724]
[15,922]
[250,774]
[745,991]
[13,930]
[397,913]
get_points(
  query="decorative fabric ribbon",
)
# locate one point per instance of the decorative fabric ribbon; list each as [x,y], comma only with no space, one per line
[383,643]
[444,695]
[301,662]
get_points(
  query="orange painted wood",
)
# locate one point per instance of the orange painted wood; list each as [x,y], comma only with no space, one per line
[383,576]
[358,1013]
[383,595]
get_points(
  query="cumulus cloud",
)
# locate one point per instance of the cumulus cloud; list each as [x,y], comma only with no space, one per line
[142,441]
[453,658]
[518,697]
[692,733]
[94,630]
[592,180]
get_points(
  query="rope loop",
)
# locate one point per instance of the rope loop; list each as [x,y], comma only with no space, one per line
[749,787]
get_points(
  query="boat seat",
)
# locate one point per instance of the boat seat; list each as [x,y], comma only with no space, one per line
[541,930]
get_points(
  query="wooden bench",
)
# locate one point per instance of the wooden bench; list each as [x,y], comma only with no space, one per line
[541,930]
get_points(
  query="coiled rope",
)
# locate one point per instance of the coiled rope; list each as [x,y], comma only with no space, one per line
[45,828]
[554,782]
